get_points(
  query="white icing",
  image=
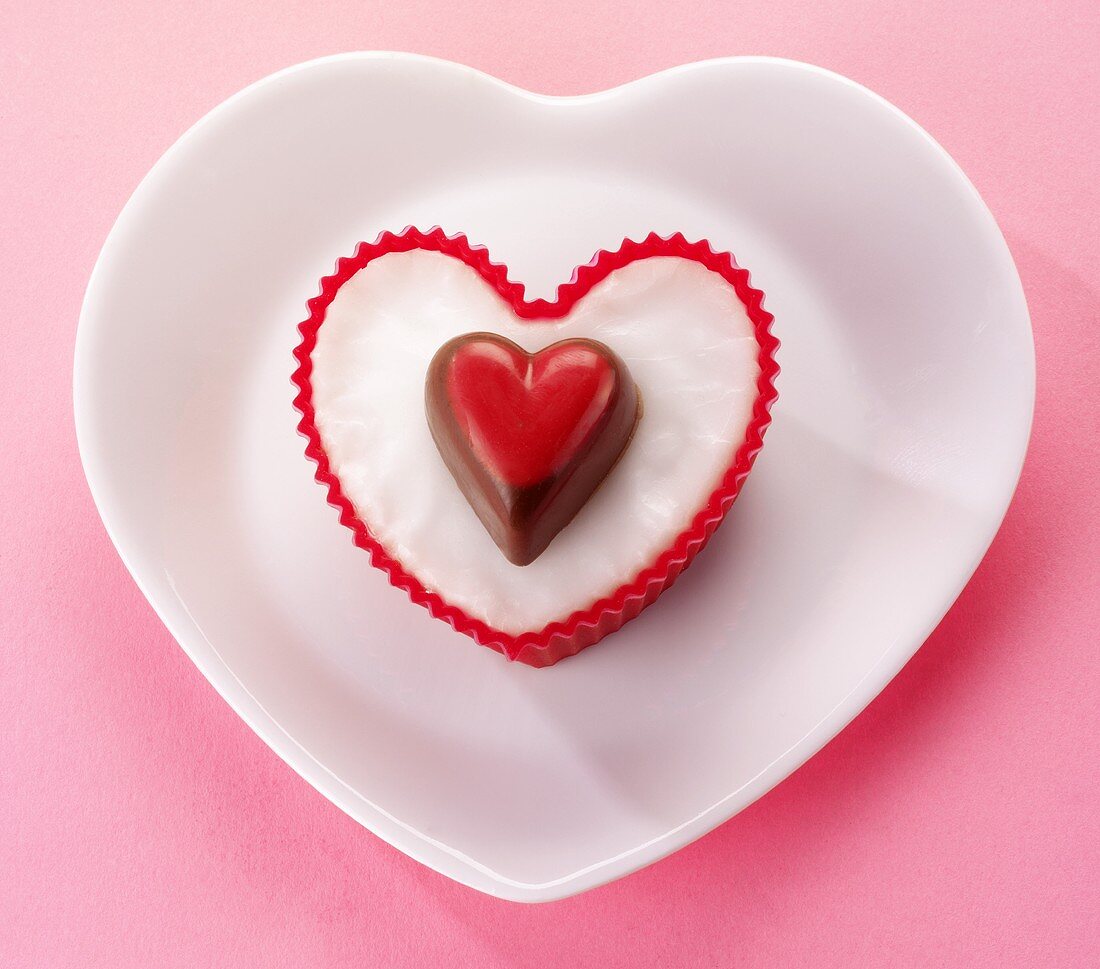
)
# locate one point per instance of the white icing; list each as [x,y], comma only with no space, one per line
[684,335]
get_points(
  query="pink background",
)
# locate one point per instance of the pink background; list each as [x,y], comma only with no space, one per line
[953,824]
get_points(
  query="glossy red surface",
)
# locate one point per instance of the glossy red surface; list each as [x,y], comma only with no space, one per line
[528,416]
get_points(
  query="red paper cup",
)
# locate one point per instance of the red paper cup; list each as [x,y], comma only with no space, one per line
[555,641]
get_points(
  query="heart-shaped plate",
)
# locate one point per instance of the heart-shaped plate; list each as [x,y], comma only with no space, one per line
[906,399]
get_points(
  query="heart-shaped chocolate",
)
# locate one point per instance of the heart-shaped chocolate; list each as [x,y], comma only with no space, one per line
[528,437]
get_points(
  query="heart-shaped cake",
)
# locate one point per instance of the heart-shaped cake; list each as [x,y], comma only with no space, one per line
[534,472]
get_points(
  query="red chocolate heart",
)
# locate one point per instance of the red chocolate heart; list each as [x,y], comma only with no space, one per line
[528,437]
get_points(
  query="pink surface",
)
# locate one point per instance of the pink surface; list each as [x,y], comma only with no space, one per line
[953,824]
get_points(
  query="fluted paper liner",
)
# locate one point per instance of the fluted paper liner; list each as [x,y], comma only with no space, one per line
[555,641]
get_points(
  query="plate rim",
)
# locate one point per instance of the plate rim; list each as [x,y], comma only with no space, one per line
[440,857]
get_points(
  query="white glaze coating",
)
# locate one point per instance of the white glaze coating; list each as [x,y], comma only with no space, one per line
[688,343]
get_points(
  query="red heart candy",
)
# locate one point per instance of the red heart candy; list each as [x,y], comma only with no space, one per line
[528,437]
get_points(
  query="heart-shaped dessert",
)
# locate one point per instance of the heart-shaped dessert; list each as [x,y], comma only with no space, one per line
[479,445]
[528,436]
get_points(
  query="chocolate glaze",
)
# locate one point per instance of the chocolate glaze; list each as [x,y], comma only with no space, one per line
[529,437]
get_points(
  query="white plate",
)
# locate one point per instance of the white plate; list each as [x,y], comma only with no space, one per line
[905,404]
